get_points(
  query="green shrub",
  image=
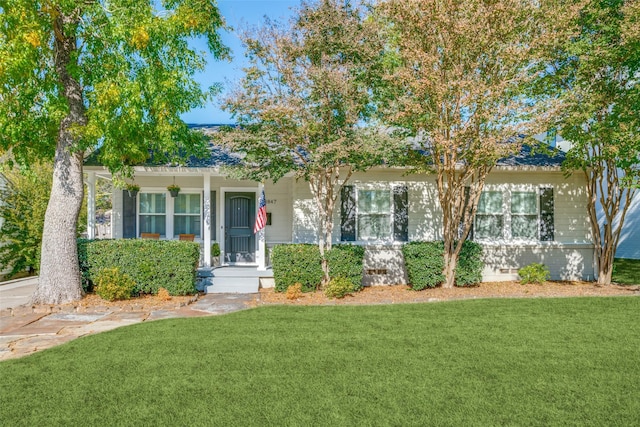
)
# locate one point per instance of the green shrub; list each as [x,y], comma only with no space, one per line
[534,273]
[152,264]
[111,284]
[424,262]
[338,287]
[470,264]
[345,261]
[24,195]
[301,263]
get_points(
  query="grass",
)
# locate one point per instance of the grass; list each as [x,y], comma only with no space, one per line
[483,362]
[626,271]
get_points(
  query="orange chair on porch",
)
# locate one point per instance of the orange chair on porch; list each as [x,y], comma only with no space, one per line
[186,237]
[154,236]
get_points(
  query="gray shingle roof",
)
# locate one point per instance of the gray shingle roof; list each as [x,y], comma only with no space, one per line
[219,156]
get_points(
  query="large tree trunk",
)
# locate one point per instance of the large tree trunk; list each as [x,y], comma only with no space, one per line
[59,270]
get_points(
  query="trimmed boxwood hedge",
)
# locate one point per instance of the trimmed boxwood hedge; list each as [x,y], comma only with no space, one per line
[424,262]
[301,263]
[152,264]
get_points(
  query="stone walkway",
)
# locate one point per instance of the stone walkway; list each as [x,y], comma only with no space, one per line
[24,330]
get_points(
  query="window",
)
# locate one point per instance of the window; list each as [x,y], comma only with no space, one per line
[186,216]
[524,215]
[518,215]
[490,216]
[374,214]
[153,213]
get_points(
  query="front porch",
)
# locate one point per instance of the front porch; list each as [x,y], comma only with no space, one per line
[233,279]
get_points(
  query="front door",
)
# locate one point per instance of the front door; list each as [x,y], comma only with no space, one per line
[239,240]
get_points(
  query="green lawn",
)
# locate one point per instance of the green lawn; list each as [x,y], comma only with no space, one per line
[626,271]
[481,362]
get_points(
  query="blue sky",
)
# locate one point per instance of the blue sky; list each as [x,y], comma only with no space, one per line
[238,14]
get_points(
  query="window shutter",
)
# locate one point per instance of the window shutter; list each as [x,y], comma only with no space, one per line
[128,216]
[467,190]
[547,229]
[400,213]
[348,213]
[213,216]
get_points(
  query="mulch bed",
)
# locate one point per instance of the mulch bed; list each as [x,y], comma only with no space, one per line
[403,294]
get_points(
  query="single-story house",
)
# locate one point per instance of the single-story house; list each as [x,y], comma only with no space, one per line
[529,212]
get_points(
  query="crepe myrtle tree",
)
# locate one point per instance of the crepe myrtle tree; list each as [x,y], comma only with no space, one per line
[455,81]
[116,75]
[596,75]
[304,101]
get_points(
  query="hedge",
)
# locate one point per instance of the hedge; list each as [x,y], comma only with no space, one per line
[152,264]
[424,262]
[301,263]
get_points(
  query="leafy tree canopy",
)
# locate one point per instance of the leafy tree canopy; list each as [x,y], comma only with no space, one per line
[133,62]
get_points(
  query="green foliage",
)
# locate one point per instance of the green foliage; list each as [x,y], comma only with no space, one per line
[301,263]
[152,264]
[23,203]
[424,262]
[215,249]
[534,273]
[626,271]
[345,261]
[338,287]
[470,264]
[111,284]
[298,263]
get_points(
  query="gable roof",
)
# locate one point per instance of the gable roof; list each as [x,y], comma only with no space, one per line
[220,156]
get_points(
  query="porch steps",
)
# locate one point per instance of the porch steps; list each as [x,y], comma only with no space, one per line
[231,279]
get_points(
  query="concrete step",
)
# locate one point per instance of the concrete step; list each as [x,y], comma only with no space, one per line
[233,285]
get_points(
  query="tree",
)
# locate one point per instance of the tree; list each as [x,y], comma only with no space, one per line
[116,75]
[303,101]
[24,202]
[595,75]
[456,79]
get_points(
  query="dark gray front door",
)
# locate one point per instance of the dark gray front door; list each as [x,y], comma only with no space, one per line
[239,240]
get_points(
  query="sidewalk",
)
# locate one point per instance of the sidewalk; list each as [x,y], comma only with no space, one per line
[25,329]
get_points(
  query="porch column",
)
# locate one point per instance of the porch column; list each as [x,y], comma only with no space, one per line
[91,205]
[261,254]
[206,205]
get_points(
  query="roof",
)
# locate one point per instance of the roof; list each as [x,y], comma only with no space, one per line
[529,157]
[219,156]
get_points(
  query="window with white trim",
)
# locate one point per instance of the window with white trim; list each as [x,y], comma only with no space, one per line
[515,215]
[374,214]
[186,214]
[524,215]
[153,213]
[490,216]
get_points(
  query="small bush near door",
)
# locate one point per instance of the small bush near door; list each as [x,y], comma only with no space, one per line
[424,263]
[111,284]
[301,263]
[152,264]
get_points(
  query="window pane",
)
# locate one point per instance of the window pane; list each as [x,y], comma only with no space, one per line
[374,227]
[187,204]
[153,224]
[187,224]
[524,226]
[152,203]
[374,201]
[490,202]
[523,203]
[489,226]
